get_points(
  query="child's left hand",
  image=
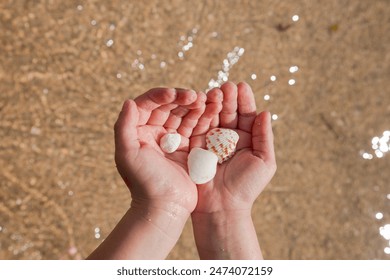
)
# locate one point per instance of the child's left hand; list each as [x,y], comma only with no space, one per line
[154,178]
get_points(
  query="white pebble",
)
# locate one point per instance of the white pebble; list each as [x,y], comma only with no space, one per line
[170,142]
[202,165]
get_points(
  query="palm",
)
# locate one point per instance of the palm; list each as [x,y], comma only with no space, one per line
[241,179]
[162,176]
[152,176]
[237,183]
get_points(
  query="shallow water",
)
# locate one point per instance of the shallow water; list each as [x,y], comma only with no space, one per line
[321,68]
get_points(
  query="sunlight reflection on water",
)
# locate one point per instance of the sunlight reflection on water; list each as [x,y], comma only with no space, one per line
[380,145]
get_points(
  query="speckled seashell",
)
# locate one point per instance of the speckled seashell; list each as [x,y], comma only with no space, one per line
[170,142]
[202,165]
[222,142]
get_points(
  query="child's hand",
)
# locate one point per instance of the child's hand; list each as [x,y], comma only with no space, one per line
[241,179]
[163,195]
[222,218]
[155,179]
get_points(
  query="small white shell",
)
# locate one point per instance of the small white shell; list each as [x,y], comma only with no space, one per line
[222,142]
[202,165]
[170,142]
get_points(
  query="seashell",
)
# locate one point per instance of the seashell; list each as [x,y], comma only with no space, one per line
[202,165]
[222,142]
[170,142]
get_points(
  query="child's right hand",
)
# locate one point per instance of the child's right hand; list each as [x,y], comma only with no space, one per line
[222,220]
[241,179]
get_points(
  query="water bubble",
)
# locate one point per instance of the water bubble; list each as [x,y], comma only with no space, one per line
[93,22]
[272,78]
[266,97]
[378,154]
[109,43]
[291,82]
[367,156]
[275,117]
[293,69]
[295,18]
[381,145]
[379,216]
[227,64]
[253,76]
[375,140]
[385,231]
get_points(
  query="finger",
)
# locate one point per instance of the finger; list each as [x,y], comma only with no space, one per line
[184,144]
[246,107]
[200,101]
[213,108]
[160,115]
[228,115]
[214,122]
[185,96]
[151,100]
[126,135]
[175,118]
[198,141]
[262,138]
[191,119]
[156,97]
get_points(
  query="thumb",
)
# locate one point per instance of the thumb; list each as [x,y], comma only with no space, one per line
[263,138]
[126,135]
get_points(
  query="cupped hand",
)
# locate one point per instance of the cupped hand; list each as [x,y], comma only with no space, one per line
[242,178]
[157,179]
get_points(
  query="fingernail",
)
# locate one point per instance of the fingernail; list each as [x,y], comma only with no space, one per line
[181,89]
[125,104]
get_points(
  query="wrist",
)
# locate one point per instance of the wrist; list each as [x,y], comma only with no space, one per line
[226,235]
[221,218]
[169,218]
[147,232]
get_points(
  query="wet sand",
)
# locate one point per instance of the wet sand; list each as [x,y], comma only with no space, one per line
[67,66]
